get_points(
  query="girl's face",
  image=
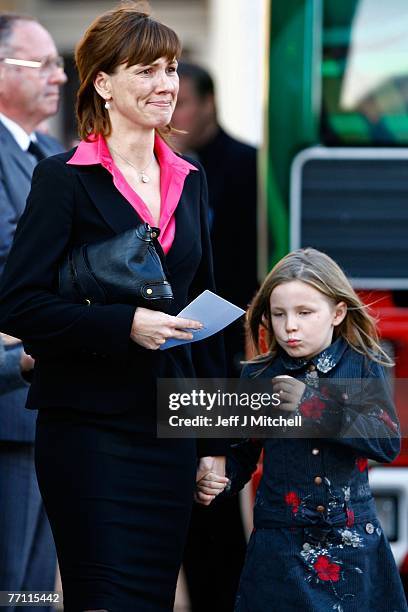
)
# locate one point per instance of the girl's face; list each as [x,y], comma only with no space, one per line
[303,318]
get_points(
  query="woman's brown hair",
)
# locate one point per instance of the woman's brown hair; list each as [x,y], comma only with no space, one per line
[319,271]
[121,36]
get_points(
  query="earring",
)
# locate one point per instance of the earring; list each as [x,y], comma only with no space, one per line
[107,105]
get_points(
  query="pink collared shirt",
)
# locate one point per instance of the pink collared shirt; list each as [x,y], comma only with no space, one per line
[173,171]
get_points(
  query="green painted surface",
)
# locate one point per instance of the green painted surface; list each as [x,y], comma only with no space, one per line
[309,56]
[293,118]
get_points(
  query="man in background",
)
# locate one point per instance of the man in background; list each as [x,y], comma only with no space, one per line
[216,542]
[31,74]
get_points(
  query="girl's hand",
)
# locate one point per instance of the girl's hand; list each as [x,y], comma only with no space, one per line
[207,465]
[290,391]
[211,464]
[151,328]
[209,487]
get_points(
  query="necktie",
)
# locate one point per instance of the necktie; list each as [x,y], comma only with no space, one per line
[35,151]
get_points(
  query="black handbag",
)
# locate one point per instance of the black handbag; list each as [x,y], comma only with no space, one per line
[125,269]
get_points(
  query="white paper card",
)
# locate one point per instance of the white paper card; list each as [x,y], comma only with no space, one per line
[212,311]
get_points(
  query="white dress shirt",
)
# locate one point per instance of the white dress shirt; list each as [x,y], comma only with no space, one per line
[20,136]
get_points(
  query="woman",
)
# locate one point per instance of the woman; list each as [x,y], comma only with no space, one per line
[118,498]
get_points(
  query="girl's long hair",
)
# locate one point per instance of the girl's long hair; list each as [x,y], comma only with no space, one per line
[319,271]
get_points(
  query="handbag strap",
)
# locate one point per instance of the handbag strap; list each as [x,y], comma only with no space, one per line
[84,281]
[158,248]
[74,276]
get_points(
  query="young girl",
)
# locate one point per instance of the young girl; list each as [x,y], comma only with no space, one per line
[317,544]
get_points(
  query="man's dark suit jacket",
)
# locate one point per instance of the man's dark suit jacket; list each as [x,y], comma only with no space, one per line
[231,172]
[85,358]
[16,168]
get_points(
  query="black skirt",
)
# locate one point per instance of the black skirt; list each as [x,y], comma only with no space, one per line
[119,503]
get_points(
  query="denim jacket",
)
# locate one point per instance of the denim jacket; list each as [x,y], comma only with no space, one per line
[322,480]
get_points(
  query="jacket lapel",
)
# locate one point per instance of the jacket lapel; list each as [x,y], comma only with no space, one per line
[12,151]
[187,221]
[48,145]
[114,208]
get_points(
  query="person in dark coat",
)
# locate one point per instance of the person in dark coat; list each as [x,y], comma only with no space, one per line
[216,541]
[118,498]
[317,542]
[231,169]
[31,75]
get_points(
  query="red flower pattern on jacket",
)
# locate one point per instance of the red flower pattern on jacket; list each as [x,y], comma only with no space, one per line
[292,499]
[312,408]
[362,463]
[326,570]
[350,517]
[325,391]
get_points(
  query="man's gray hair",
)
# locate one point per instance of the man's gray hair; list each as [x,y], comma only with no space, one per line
[7,23]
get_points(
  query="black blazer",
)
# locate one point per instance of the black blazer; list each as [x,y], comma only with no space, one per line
[84,356]
[16,169]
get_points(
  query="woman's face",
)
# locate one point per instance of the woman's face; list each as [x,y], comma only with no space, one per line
[144,95]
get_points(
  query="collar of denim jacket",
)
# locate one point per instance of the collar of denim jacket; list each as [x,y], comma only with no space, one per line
[324,361]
